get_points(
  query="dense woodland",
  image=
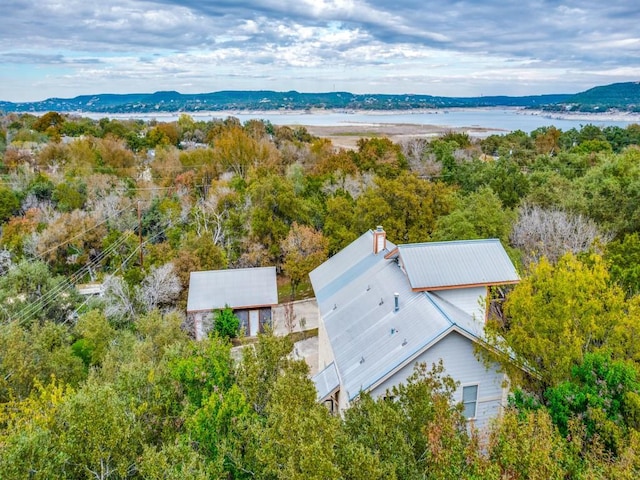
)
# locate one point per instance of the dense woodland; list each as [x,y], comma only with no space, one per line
[115,387]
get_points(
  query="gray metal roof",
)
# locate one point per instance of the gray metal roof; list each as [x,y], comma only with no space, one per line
[326,381]
[356,291]
[238,288]
[346,265]
[437,265]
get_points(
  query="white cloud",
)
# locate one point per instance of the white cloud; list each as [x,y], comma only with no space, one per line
[55,48]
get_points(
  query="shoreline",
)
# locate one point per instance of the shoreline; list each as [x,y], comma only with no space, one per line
[613,116]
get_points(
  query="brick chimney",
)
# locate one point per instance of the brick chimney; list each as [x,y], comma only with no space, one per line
[379,240]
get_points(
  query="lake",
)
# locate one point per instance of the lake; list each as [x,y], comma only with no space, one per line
[504,120]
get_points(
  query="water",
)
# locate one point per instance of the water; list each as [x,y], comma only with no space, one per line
[498,120]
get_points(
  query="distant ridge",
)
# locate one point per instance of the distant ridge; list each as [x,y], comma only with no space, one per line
[618,96]
[621,96]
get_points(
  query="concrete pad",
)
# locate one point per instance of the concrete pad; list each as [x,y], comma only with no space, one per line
[305,314]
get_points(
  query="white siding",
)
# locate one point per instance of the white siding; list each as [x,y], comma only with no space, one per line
[325,353]
[470,300]
[457,354]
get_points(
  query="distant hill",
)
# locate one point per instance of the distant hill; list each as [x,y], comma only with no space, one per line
[618,96]
[621,96]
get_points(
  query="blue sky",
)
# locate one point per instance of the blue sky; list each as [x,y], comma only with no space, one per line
[64,48]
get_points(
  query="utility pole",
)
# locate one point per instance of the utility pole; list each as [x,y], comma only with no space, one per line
[140,235]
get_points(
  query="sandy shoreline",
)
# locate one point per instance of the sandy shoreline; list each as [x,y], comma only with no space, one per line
[347,136]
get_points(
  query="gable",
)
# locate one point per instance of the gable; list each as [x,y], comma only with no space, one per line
[379,315]
[237,288]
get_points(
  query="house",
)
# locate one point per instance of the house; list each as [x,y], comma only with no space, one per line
[386,307]
[250,292]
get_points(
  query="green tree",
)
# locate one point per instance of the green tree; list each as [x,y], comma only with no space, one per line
[70,196]
[477,215]
[559,313]
[528,446]
[30,293]
[225,323]
[417,431]
[408,207]
[602,394]
[624,262]
[9,204]
[28,447]
[99,432]
[32,356]
[339,220]
[274,207]
[298,431]
[381,156]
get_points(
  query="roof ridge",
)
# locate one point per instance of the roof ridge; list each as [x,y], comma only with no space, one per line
[448,242]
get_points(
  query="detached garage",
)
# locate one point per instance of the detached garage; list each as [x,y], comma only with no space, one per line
[250,292]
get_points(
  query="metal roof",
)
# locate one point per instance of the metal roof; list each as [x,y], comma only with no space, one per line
[238,288]
[347,264]
[326,381]
[437,265]
[356,291]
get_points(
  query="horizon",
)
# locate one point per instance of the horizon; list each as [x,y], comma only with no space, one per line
[449,49]
[282,91]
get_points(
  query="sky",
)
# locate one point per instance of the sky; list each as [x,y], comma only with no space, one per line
[65,48]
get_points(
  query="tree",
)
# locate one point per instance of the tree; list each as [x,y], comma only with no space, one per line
[32,356]
[547,140]
[237,152]
[602,394]
[339,222]
[99,432]
[304,249]
[417,430]
[119,299]
[296,422]
[624,260]
[225,323]
[69,196]
[160,287]
[381,156]
[30,293]
[509,182]
[528,445]
[9,204]
[552,233]
[559,313]
[274,207]
[408,207]
[95,334]
[477,215]
[27,441]
[609,193]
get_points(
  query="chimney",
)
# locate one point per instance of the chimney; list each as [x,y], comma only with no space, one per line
[396,296]
[379,240]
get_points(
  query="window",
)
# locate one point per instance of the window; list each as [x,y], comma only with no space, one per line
[470,400]
[329,403]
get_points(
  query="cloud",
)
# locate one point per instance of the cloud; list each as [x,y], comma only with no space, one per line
[440,47]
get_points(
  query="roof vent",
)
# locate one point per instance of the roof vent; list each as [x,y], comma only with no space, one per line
[379,240]
[404,342]
[361,360]
[396,297]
